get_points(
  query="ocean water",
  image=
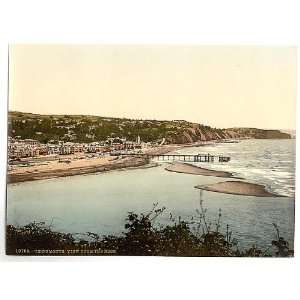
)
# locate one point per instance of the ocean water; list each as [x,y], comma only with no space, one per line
[100,202]
[270,162]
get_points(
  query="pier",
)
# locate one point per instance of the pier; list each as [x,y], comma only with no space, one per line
[181,157]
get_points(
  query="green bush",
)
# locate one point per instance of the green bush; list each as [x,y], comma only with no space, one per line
[141,237]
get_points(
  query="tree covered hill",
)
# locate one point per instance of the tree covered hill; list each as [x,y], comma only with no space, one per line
[86,128]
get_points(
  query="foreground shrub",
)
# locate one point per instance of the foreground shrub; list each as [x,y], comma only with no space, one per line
[141,237]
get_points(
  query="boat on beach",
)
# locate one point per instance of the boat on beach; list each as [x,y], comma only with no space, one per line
[67,161]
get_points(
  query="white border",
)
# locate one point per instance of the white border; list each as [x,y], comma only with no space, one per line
[169,22]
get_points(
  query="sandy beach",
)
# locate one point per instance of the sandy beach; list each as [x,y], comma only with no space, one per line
[165,148]
[191,169]
[78,165]
[238,188]
[55,169]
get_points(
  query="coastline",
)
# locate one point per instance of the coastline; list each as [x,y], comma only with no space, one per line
[113,165]
[51,169]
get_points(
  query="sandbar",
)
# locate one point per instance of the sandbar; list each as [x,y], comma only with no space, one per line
[238,188]
[191,169]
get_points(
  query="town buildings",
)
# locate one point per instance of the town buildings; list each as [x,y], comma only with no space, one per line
[21,148]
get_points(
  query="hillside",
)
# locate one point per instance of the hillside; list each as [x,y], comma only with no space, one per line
[84,128]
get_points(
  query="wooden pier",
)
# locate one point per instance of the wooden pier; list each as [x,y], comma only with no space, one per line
[181,157]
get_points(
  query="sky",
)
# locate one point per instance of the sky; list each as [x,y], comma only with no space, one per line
[220,86]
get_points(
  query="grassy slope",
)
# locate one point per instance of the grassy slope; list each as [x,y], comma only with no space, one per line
[94,128]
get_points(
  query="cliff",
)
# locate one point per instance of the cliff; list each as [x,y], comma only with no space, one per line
[198,132]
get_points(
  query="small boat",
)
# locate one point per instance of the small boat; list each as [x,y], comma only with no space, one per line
[230,141]
[67,161]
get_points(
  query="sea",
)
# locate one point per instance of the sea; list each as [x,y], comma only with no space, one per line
[100,202]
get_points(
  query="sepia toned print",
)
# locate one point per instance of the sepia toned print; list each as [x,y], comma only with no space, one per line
[151,150]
